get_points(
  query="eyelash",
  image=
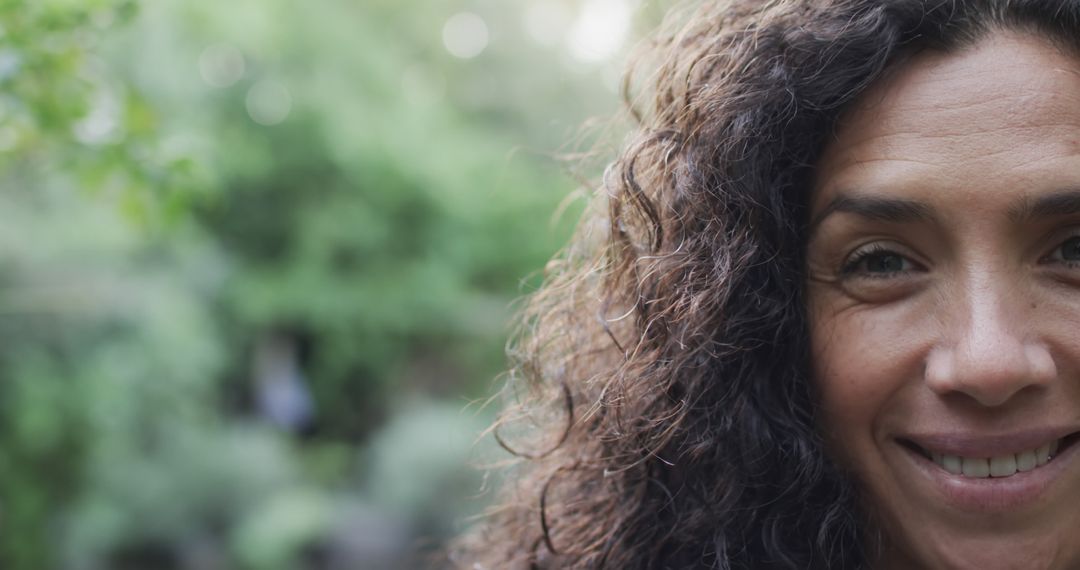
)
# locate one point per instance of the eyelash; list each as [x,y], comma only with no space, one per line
[1071,263]
[851,267]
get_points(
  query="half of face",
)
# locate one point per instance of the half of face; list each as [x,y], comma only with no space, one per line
[944,299]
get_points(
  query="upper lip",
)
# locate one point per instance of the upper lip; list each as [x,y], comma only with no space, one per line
[970,444]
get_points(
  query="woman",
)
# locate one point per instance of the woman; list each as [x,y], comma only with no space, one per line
[828,319]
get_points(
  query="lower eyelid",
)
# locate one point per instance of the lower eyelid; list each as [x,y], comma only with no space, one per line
[881,289]
[1068,264]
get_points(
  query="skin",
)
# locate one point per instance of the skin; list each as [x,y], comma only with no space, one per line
[964,318]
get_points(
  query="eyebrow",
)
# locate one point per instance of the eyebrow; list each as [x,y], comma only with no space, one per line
[898,210]
[1061,203]
[892,210]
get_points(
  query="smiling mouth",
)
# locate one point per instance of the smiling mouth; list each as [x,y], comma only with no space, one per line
[999,466]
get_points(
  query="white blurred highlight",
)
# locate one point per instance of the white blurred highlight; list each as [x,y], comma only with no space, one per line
[600,30]
[268,102]
[465,35]
[221,65]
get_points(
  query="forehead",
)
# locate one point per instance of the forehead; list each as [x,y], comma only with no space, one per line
[1007,108]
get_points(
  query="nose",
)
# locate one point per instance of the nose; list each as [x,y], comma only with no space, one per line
[991,351]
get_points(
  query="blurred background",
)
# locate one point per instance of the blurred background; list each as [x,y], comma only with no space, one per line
[258,262]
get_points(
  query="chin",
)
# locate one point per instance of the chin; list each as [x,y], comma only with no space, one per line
[946,551]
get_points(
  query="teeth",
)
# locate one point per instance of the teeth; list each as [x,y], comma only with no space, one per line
[952,464]
[976,467]
[1026,461]
[1003,466]
[1042,455]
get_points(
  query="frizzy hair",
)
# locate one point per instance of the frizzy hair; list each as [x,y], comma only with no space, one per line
[664,363]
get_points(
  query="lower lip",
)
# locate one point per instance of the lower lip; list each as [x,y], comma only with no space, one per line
[994,494]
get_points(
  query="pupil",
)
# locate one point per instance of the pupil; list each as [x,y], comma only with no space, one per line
[1070,250]
[891,263]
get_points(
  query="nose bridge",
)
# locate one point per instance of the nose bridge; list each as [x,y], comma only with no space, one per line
[989,351]
[990,328]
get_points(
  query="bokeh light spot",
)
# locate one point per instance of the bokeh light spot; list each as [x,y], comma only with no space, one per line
[221,65]
[600,30]
[268,102]
[465,35]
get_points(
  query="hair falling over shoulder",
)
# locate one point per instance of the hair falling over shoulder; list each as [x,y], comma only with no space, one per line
[663,366]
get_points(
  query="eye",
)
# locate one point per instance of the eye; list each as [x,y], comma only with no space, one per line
[877,261]
[1068,252]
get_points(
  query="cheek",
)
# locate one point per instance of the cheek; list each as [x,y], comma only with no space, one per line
[846,388]
[862,361]
[847,358]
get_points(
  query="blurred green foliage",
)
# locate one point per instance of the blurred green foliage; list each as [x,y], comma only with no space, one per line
[257,258]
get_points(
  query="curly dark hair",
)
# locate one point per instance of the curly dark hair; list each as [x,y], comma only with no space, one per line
[664,364]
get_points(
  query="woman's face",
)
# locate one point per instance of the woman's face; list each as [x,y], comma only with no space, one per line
[944,294]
